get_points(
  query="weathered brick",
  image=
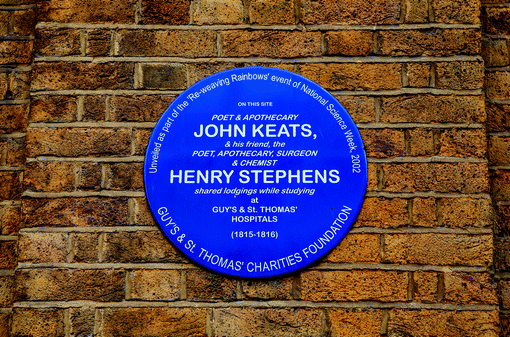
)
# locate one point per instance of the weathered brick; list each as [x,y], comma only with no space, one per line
[75,142]
[137,247]
[383,213]
[269,43]
[81,321]
[14,151]
[10,218]
[5,22]
[502,214]
[459,75]
[5,324]
[433,109]
[425,286]
[89,11]
[438,249]
[70,212]
[88,176]
[85,247]
[185,43]
[164,76]
[438,177]
[210,12]
[271,12]
[456,11]
[4,85]
[199,71]
[462,143]
[48,322]
[277,289]
[103,285]
[98,42]
[355,323]
[356,248]
[265,322]
[16,51]
[496,20]
[94,108]
[360,108]
[495,52]
[47,108]
[499,150]
[420,142]
[424,212]
[354,285]
[497,84]
[436,42]
[155,285]
[383,143]
[10,185]
[351,12]
[504,324]
[500,185]
[418,74]
[124,176]
[372,179]
[504,293]
[355,76]
[49,176]
[349,42]
[6,291]
[19,84]
[166,12]
[502,254]
[468,288]
[42,247]
[8,254]
[13,118]
[206,286]
[143,108]
[429,323]
[416,11]
[142,215]
[466,213]
[23,22]
[498,116]
[57,42]
[139,322]
[81,75]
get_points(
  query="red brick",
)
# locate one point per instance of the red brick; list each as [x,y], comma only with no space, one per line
[424,212]
[500,185]
[425,286]
[437,42]
[462,143]
[6,291]
[142,215]
[155,285]
[210,12]
[468,288]
[139,322]
[416,11]
[143,108]
[206,286]
[184,43]
[267,322]
[124,176]
[16,51]
[10,185]
[356,248]
[271,12]
[495,52]
[48,322]
[351,12]
[278,289]
[89,11]
[49,176]
[383,213]
[165,12]
[496,20]
[164,76]
[81,75]
[355,323]
[433,109]
[88,176]
[355,76]
[456,11]
[75,142]
[71,212]
[8,254]
[139,247]
[43,247]
[354,286]
[383,143]
[438,249]
[349,42]
[497,84]
[418,74]
[269,43]
[360,108]
[460,75]
[10,218]
[57,42]
[431,323]
[104,285]
[438,177]
[466,212]
[498,116]
[98,42]
[13,118]
[84,247]
[53,109]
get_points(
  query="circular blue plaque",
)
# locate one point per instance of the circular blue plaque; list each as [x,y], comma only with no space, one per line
[255,172]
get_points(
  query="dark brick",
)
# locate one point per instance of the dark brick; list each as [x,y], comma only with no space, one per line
[165,12]
[164,76]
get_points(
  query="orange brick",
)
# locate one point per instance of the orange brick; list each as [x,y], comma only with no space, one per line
[383,143]
[418,74]
[468,288]
[271,12]
[13,118]
[383,213]
[500,185]
[53,109]
[360,108]
[424,212]
[355,323]
[356,248]
[421,142]
[143,108]
[425,286]
[416,11]
[349,42]
[49,176]
[460,75]
[278,289]
[5,324]
[456,11]
[155,285]
[498,116]
[166,12]
[206,286]
[37,322]
[462,143]
[6,292]
[466,212]
[43,247]
[10,218]
[10,185]
[89,11]
[497,84]
[504,292]
[210,12]
[16,51]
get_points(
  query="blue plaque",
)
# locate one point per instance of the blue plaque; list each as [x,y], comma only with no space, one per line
[255,172]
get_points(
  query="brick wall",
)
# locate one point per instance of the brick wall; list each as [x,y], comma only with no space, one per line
[90,260]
